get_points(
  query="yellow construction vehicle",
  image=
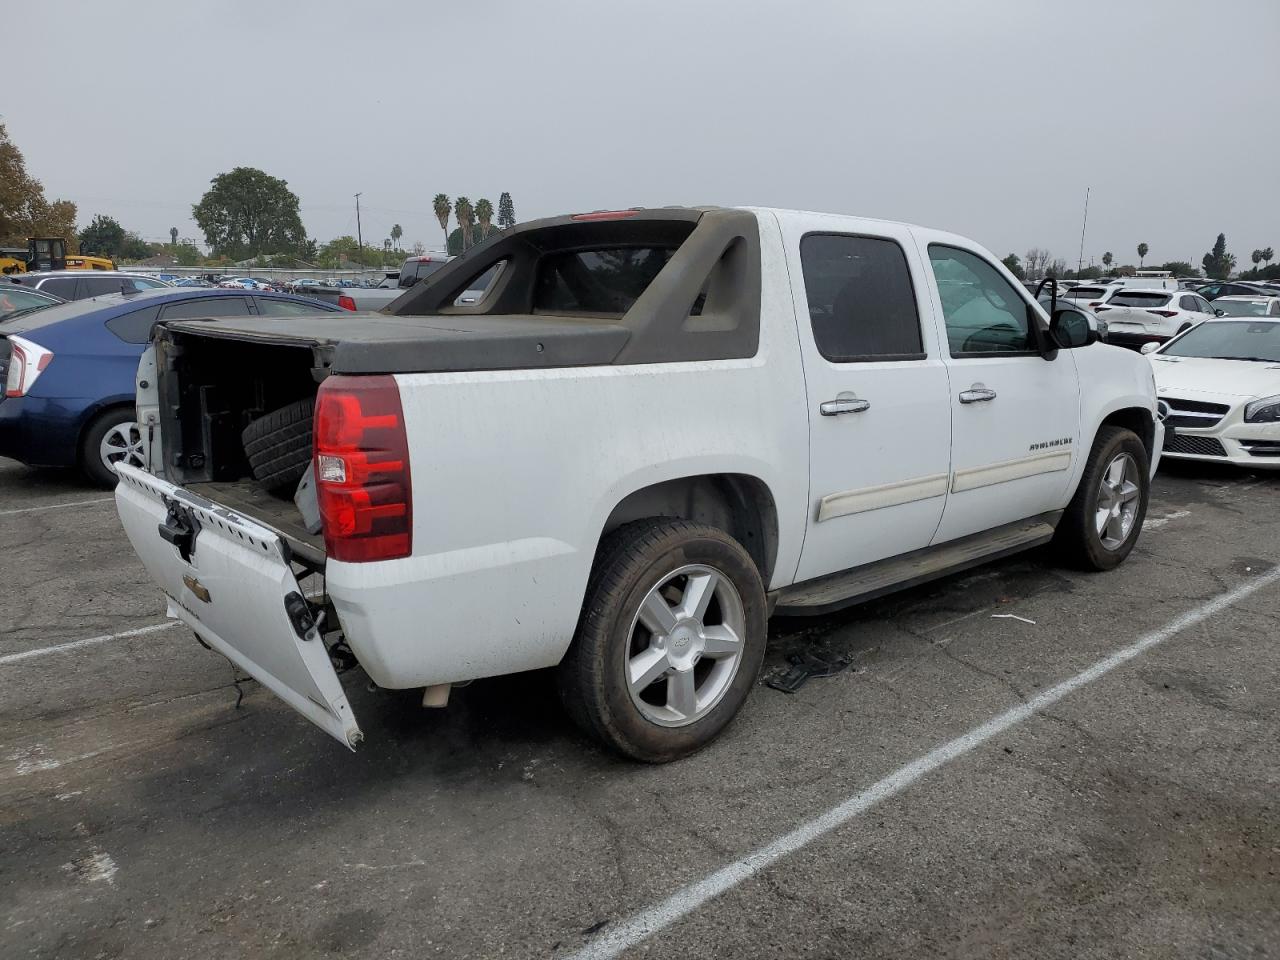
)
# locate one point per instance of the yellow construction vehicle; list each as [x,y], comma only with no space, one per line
[48,253]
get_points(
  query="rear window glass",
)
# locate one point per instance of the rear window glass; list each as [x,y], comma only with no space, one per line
[415,270]
[1131,298]
[1243,308]
[1082,293]
[605,281]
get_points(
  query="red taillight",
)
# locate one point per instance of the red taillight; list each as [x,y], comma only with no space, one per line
[1164,313]
[605,215]
[27,361]
[362,469]
[346,303]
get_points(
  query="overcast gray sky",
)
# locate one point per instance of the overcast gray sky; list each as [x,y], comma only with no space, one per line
[985,117]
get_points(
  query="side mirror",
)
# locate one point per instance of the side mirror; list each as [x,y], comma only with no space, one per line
[1071,329]
[1217,312]
[1149,348]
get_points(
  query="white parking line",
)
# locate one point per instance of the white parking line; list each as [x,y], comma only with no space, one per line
[54,506]
[87,642]
[689,898]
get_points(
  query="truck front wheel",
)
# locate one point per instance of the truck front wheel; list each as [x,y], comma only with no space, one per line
[1103,520]
[670,640]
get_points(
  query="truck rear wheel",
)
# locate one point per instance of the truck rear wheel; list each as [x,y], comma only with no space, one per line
[278,445]
[670,641]
[1103,520]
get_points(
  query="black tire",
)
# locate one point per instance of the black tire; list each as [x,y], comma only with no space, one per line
[90,457]
[278,445]
[1077,540]
[629,562]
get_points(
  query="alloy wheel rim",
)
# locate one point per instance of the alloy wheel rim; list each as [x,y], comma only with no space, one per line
[1119,494]
[121,444]
[685,646]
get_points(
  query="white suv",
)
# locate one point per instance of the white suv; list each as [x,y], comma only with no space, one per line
[655,429]
[1135,317]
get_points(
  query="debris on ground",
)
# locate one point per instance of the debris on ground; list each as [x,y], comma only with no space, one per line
[806,666]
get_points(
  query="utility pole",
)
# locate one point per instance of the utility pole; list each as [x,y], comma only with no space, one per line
[359,235]
[1083,225]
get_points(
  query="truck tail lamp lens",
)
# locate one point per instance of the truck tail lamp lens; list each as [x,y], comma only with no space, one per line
[346,303]
[363,485]
[27,361]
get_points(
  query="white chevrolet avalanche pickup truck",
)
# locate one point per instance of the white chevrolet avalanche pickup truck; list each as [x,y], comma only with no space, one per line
[655,429]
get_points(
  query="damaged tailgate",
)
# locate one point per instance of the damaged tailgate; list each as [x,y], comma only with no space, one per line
[229,579]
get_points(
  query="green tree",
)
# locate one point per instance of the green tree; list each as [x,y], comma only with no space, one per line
[396,233]
[134,248]
[248,212]
[173,236]
[506,211]
[484,213]
[24,209]
[1215,261]
[442,209]
[1107,258]
[103,236]
[465,214]
[1142,253]
[187,253]
[1015,266]
[1179,268]
[1256,256]
[1268,255]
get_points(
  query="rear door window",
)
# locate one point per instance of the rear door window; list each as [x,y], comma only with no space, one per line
[861,302]
[206,307]
[1188,303]
[269,307]
[602,282]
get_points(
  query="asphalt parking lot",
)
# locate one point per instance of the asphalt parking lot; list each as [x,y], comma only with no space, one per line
[1134,813]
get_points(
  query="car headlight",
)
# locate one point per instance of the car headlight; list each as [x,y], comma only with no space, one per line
[1266,410]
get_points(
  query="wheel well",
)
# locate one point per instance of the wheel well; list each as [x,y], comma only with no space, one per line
[738,504]
[1137,420]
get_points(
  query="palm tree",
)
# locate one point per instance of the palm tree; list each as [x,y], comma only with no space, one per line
[484,213]
[396,233]
[466,217]
[1268,255]
[1107,258]
[1142,253]
[442,208]
[1228,262]
[173,236]
[1256,257]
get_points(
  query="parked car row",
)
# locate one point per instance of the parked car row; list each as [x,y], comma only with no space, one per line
[69,369]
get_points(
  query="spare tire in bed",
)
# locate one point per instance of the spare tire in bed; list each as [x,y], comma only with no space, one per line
[278,445]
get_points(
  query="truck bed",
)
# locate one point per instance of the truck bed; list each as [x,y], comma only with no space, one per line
[281,516]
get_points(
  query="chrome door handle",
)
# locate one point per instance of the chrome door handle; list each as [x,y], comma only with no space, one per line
[977,394]
[833,408]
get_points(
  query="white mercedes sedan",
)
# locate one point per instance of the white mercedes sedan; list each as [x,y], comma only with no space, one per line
[1221,383]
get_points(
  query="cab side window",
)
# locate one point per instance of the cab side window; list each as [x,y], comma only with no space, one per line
[984,313]
[861,302]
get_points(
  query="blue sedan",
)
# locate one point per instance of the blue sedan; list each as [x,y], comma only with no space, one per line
[68,371]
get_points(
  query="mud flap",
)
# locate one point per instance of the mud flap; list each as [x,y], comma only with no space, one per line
[229,579]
